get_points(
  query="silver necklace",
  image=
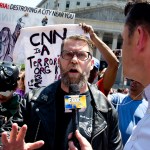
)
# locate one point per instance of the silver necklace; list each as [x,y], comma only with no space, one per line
[130,100]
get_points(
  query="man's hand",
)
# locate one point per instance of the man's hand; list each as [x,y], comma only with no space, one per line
[84,144]
[16,140]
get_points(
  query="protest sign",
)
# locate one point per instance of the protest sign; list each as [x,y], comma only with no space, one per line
[14,17]
[40,48]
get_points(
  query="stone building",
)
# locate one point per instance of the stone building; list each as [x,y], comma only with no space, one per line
[106,17]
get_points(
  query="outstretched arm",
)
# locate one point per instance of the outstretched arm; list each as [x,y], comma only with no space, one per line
[112,61]
[84,144]
[16,140]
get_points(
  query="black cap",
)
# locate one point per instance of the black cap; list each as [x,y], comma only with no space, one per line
[9,74]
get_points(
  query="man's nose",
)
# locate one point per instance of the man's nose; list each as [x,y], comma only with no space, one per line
[74,58]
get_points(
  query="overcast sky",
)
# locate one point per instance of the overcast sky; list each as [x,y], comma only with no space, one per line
[31,3]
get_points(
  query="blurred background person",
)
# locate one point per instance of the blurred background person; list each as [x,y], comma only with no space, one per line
[105,83]
[126,91]
[9,101]
[21,82]
[120,90]
[131,108]
[93,78]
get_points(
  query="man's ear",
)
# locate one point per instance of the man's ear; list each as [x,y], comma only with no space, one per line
[142,37]
[92,64]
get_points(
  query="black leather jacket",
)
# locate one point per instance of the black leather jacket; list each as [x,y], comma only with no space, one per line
[39,113]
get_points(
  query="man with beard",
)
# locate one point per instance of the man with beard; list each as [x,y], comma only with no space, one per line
[136,55]
[44,114]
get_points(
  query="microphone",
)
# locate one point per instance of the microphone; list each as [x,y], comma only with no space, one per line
[74,102]
[75,92]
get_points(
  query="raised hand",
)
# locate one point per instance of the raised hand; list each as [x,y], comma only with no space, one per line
[16,140]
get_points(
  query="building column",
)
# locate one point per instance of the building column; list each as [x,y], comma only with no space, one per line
[100,35]
[115,40]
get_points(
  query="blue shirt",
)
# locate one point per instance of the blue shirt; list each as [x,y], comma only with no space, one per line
[139,140]
[130,112]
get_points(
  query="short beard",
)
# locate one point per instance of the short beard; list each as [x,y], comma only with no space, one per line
[66,80]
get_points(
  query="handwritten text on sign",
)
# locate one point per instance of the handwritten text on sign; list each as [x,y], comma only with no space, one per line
[41,49]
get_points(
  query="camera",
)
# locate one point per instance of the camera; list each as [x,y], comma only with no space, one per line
[9,74]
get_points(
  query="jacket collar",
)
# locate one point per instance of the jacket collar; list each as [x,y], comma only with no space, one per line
[45,94]
[101,101]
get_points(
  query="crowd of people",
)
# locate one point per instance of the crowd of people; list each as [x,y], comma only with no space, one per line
[111,121]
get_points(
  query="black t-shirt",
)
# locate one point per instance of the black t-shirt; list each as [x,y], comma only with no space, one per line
[86,118]
[64,121]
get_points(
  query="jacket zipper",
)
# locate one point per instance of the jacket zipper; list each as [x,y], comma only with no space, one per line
[100,130]
[98,133]
[37,130]
[40,116]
